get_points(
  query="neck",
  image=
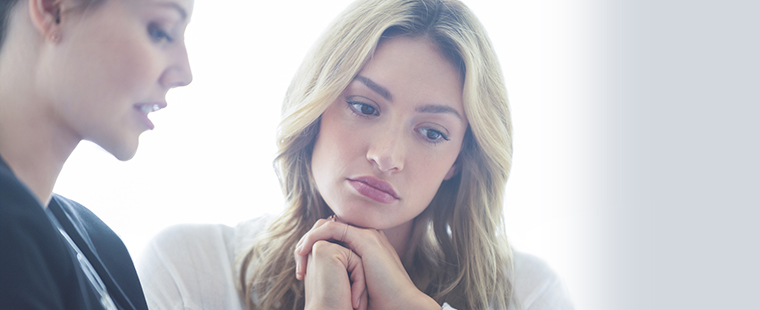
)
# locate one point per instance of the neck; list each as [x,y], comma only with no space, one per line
[36,156]
[399,238]
[33,142]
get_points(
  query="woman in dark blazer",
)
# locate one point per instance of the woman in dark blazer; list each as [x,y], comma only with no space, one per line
[73,70]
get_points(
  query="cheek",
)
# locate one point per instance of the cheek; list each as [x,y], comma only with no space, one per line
[110,70]
[428,169]
[429,175]
[338,142]
[124,49]
[337,149]
[322,154]
[135,67]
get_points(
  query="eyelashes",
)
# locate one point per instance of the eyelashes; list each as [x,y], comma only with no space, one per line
[157,34]
[363,109]
[433,135]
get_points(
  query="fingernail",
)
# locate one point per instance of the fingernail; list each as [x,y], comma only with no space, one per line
[299,248]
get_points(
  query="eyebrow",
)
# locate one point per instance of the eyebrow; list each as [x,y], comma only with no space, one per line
[179,8]
[434,108]
[382,91]
[430,108]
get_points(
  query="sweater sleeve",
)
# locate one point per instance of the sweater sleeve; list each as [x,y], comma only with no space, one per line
[537,286]
[189,267]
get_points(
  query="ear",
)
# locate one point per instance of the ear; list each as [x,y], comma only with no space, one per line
[46,17]
[455,168]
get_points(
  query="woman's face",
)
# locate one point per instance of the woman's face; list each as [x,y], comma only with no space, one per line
[393,135]
[114,62]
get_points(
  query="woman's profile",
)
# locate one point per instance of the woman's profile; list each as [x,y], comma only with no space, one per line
[73,70]
[394,151]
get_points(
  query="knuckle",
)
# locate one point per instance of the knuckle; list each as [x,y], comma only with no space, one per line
[304,239]
[320,248]
[318,223]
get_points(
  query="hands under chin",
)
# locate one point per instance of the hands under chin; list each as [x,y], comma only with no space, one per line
[334,274]
[363,272]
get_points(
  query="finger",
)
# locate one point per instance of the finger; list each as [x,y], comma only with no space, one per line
[300,266]
[358,282]
[300,259]
[364,301]
[317,224]
[327,282]
[329,231]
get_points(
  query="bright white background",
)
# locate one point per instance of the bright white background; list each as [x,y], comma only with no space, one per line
[209,160]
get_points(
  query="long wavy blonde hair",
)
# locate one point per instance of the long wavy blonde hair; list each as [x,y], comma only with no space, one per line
[461,255]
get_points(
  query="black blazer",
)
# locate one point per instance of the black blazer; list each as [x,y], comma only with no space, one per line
[39,270]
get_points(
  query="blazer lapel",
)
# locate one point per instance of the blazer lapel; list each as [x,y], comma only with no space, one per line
[78,233]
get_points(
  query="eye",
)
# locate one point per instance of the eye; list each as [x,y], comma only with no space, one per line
[157,34]
[363,109]
[433,135]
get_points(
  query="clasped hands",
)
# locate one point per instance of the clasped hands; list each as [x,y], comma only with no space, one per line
[347,267]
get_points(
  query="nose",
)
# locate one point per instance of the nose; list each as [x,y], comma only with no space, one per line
[178,72]
[386,151]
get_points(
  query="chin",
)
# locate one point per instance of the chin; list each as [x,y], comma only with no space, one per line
[122,151]
[126,151]
[361,219]
[124,156]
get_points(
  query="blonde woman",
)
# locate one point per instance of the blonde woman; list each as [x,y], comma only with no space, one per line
[394,151]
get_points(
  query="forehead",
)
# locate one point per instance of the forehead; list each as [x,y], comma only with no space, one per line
[183,7]
[413,68]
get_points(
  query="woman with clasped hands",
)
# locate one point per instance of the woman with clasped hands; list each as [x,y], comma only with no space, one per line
[394,151]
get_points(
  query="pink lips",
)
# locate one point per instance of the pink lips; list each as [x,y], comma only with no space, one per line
[374,188]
